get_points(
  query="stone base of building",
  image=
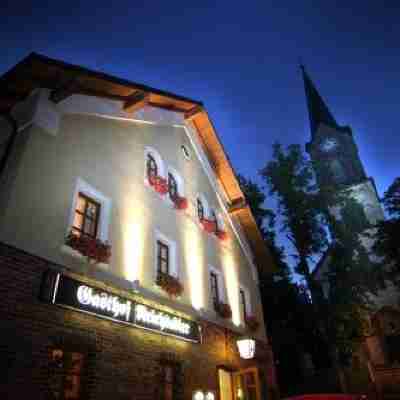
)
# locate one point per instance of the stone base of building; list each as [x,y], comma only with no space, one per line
[53,352]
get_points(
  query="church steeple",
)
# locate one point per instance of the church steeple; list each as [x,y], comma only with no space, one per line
[318,111]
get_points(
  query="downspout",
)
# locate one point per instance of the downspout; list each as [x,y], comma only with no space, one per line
[11,141]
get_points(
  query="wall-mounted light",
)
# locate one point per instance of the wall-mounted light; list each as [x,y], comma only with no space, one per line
[198,395]
[247,348]
[210,396]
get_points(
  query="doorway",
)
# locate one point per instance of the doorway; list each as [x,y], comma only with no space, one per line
[240,385]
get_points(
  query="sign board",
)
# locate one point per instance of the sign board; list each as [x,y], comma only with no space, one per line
[64,291]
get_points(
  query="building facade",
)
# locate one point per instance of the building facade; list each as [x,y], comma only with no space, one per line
[129,256]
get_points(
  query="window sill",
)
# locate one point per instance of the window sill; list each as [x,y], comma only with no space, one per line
[75,254]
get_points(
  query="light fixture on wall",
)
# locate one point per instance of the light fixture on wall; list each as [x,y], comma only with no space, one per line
[247,347]
[198,395]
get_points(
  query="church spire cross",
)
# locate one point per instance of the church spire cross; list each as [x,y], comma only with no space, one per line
[318,111]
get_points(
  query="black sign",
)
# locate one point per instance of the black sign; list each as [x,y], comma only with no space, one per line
[67,292]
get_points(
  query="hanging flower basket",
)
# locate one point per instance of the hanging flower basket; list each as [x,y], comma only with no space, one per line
[181,203]
[169,284]
[252,322]
[95,250]
[221,235]
[159,184]
[223,310]
[209,226]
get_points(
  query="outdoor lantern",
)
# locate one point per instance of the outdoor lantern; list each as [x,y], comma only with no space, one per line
[210,396]
[247,347]
[198,395]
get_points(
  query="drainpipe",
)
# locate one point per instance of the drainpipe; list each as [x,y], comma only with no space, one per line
[11,141]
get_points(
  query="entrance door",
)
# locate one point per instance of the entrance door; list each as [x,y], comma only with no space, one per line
[247,384]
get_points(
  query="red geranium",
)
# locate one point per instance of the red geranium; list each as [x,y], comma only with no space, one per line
[208,225]
[181,203]
[94,249]
[169,284]
[222,235]
[159,184]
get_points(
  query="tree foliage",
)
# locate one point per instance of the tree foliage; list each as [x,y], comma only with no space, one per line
[289,177]
[266,221]
[388,232]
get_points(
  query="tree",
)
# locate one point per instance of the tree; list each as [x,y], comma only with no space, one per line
[307,214]
[387,233]
[289,177]
[266,221]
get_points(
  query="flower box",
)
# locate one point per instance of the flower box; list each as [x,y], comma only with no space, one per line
[95,250]
[169,284]
[221,235]
[252,322]
[223,310]
[181,203]
[209,226]
[159,184]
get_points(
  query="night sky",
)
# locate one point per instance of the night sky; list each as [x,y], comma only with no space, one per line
[240,59]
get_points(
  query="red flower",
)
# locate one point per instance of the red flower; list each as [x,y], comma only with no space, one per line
[208,225]
[181,203]
[222,235]
[93,249]
[159,184]
[252,322]
[223,310]
[169,284]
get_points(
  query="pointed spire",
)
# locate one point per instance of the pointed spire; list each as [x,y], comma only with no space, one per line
[318,111]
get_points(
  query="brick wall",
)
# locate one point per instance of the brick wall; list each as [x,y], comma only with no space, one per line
[120,362]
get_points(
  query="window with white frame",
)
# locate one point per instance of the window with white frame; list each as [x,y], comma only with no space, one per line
[202,207]
[165,256]
[216,287]
[175,185]
[90,212]
[154,165]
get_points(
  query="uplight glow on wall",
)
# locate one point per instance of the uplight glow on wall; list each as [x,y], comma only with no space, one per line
[193,248]
[232,284]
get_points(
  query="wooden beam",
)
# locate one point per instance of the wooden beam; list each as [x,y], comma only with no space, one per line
[193,112]
[136,102]
[237,205]
[64,91]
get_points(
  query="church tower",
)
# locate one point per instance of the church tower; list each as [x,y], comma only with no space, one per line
[335,157]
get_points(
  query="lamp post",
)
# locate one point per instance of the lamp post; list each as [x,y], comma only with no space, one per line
[246,347]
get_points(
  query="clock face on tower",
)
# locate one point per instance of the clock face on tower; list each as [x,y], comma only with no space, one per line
[328,144]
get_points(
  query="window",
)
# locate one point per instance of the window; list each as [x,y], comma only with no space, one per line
[215,220]
[87,216]
[172,187]
[185,152]
[162,257]
[243,303]
[200,209]
[214,288]
[169,375]
[66,369]
[151,165]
